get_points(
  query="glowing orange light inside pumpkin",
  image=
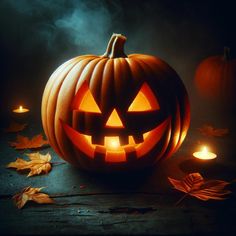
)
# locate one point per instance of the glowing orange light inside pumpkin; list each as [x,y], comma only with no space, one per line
[118,154]
[112,143]
[114,120]
[88,103]
[144,100]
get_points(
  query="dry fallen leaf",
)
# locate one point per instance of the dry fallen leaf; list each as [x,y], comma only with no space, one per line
[38,163]
[31,194]
[23,142]
[193,184]
[15,127]
[210,131]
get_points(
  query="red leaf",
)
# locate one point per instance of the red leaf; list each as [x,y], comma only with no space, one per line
[23,142]
[210,131]
[15,127]
[193,184]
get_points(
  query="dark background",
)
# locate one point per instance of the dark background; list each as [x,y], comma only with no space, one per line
[37,36]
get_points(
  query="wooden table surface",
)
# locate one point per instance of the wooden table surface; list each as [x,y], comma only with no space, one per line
[131,203]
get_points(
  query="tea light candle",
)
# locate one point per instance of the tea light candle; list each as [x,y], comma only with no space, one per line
[21,109]
[204,154]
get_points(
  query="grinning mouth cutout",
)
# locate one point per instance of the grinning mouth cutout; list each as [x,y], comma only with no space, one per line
[112,150]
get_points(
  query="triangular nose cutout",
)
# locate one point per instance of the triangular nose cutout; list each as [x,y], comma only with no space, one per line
[114,120]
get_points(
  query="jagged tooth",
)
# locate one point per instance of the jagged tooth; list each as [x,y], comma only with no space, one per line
[131,154]
[100,154]
[99,140]
[124,140]
[138,138]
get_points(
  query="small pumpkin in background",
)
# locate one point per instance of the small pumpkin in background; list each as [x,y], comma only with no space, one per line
[215,78]
[115,111]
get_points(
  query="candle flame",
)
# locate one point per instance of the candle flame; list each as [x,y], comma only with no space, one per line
[204,149]
[20,109]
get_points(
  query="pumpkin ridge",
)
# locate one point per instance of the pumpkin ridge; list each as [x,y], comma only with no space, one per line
[181,111]
[58,88]
[126,82]
[165,150]
[51,97]
[106,98]
[172,143]
[96,78]
[136,71]
[46,93]
[58,134]
[176,127]
[83,75]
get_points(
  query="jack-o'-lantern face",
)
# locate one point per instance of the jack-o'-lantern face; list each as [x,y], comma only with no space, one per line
[121,133]
[115,111]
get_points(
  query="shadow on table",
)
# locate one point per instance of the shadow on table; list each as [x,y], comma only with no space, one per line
[152,179]
[209,169]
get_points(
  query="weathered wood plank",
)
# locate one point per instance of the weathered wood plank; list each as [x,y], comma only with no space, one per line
[93,215]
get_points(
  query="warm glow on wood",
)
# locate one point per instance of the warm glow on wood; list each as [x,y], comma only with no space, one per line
[88,104]
[20,109]
[204,154]
[114,120]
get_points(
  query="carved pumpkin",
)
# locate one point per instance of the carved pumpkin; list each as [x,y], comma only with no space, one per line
[115,112]
[215,78]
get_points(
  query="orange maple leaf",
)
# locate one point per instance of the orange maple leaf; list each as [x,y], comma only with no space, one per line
[15,127]
[193,184]
[38,163]
[31,194]
[210,131]
[23,142]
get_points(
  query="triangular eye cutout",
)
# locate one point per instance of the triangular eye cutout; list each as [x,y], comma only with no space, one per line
[114,120]
[88,104]
[145,100]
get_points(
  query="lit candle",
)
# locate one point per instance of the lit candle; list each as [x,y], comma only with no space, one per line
[21,109]
[204,154]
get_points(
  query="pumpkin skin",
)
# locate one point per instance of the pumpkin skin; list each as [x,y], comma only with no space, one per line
[140,112]
[215,78]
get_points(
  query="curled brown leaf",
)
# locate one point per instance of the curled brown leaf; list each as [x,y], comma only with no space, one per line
[15,127]
[38,164]
[31,194]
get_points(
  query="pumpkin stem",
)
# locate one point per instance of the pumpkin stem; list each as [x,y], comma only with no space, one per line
[115,47]
[226,56]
